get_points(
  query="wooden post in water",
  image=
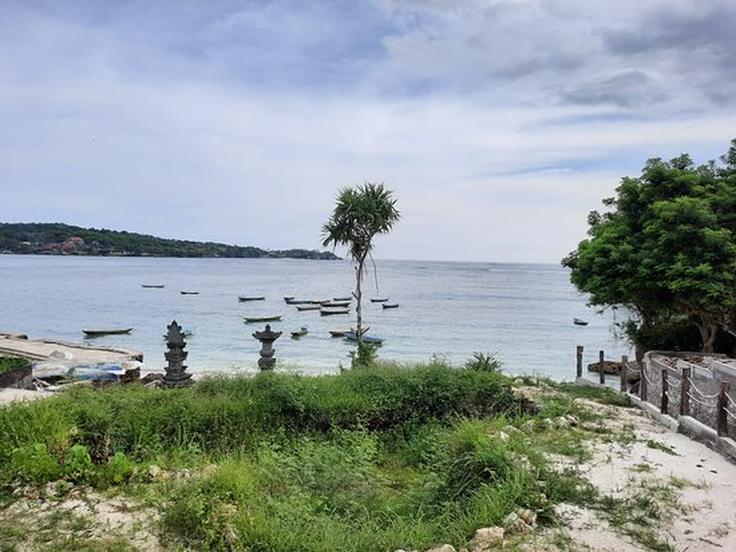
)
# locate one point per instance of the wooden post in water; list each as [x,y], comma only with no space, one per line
[685,392]
[579,361]
[721,405]
[601,364]
[665,401]
[624,366]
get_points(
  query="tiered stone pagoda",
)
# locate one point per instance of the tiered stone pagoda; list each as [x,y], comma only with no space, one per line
[267,337]
[176,374]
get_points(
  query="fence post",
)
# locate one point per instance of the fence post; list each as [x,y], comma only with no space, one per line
[601,373]
[665,402]
[624,364]
[684,392]
[579,361]
[643,383]
[721,416]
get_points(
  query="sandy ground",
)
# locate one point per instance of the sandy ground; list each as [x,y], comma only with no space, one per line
[8,395]
[703,513]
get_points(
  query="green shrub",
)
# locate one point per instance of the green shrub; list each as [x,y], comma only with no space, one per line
[484,362]
[117,470]
[33,464]
[78,466]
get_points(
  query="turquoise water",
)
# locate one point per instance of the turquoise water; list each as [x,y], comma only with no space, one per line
[522,312]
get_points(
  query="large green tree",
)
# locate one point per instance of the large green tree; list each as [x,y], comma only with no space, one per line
[361,213]
[665,248]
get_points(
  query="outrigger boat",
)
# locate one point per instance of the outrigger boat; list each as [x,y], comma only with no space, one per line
[390,305]
[328,312]
[353,336]
[308,307]
[255,319]
[245,298]
[189,292]
[300,332]
[153,286]
[343,333]
[379,300]
[579,322]
[329,304]
[112,331]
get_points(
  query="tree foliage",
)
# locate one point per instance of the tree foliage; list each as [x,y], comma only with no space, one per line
[360,214]
[666,248]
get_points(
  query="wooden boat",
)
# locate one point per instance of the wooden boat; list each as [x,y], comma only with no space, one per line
[328,312]
[319,301]
[243,298]
[189,292]
[378,300]
[353,336]
[343,333]
[308,307]
[342,298]
[390,305]
[153,286]
[300,332]
[112,331]
[255,319]
[298,302]
[329,304]
[579,322]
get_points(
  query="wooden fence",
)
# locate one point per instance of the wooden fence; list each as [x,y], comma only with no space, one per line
[685,389]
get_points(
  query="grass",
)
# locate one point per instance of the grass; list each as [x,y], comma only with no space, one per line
[379,458]
[7,364]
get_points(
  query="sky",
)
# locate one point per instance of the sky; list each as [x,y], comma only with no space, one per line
[498,124]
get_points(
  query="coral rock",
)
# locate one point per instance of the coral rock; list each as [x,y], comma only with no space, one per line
[487,539]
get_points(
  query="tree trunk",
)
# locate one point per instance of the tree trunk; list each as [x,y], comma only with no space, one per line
[359,300]
[708,333]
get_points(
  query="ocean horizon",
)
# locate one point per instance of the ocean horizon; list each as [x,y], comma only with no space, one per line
[521,312]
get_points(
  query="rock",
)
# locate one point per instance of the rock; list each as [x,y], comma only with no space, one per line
[518,381]
[609,367]
[572,420]
[513,524]
[547,423]
[61,355]
[443,548]
[151,377]
[562,423]
[503,436]
[131,375]
[155,473]
[528,426]
[486,539]
[510,429]
[527,516]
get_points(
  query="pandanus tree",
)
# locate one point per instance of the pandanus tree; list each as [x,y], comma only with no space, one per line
[361,213]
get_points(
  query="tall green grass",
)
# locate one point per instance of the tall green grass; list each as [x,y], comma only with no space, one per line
[222,415]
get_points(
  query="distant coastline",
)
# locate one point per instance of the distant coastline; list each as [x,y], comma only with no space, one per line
[64,239]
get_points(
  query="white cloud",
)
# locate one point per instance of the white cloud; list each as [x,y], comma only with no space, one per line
[162,133]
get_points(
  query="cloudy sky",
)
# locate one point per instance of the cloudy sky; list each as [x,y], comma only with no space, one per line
[498,123]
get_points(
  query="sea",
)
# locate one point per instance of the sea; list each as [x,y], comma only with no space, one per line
[522,313]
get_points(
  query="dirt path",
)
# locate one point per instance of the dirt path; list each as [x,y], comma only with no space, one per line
[659,473]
